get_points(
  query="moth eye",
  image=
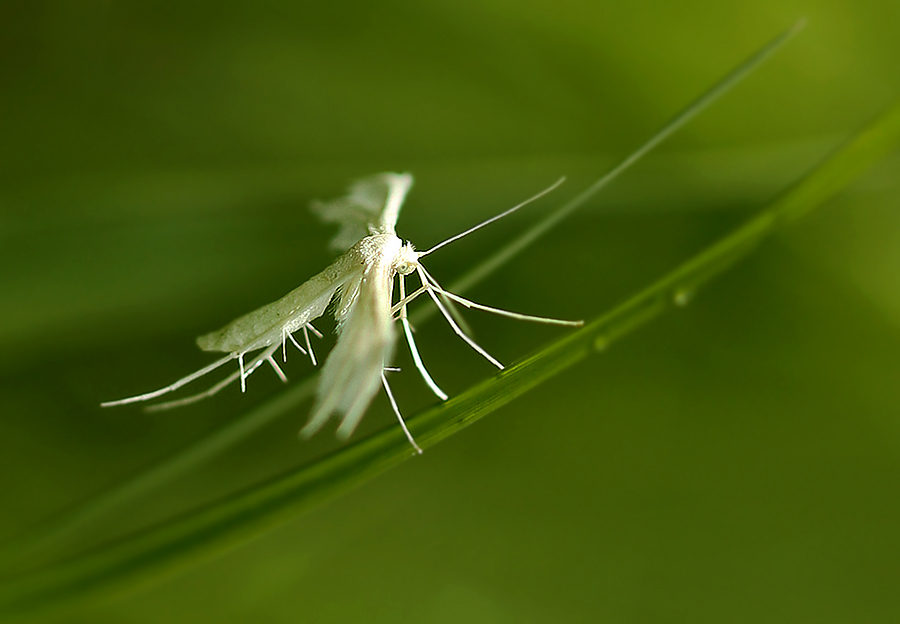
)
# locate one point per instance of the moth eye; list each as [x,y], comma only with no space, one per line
[405,268]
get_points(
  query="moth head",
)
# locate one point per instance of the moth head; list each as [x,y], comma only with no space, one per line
[407,260]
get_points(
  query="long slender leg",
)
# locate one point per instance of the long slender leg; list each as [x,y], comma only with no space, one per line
[285,334]
[417,359]
[451,305]
[257,362]
[184,380]
[515,315]
[296,344]
[217,387]
[278,371]
[453,324]
[453,309]
[194,397]
[309,349]
[387,389]
[405,300]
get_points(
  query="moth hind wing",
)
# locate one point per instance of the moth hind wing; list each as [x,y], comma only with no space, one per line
[351,375]
[371,205]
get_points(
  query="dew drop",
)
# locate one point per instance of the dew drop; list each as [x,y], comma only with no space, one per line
[601,343]
[683,296]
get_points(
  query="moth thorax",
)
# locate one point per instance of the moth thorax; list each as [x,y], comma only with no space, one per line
[406,260]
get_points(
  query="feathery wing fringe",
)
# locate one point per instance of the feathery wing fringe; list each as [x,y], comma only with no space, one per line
[370,206]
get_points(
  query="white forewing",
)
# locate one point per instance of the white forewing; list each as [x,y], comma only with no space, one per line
[351,375]
[268,325]
[371,206]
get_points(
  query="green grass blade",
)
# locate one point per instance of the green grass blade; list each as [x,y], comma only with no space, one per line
[216,528]
[46,535]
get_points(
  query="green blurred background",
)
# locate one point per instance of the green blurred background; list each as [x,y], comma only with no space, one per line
[737,461]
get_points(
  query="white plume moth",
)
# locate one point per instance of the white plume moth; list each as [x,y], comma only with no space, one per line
[361,283]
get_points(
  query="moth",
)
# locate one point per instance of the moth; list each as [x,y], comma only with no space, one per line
[360,282]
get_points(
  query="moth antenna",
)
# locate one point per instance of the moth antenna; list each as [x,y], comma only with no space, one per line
[498,311]
[453,324]
[494,218]
[413,349]
[387,389]
[171,387]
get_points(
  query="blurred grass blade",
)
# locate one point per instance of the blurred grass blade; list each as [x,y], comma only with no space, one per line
[216,528]
[693,109]
[50,533]
[66,526]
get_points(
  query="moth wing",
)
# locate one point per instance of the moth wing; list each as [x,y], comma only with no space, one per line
[351,375]
[371,205]
[268,324]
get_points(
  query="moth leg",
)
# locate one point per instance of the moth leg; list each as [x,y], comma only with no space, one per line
[278,371]
[184,380]
[296,344]
[194,397]
[214,389]
[285,334]
[459,332]
[257,362]
[453,309]
[405,300]
[417,359]
[451,305]
[507,313]
[387,389]
[309,349]
[243,377]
